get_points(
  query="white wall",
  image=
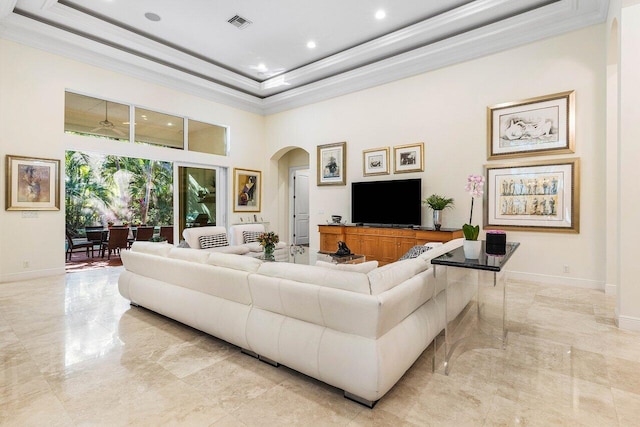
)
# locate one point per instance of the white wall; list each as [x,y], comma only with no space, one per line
[629,172]
[32,85]
[446,109]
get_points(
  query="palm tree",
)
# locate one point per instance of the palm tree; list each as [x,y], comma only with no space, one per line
[86,196]
[149,194]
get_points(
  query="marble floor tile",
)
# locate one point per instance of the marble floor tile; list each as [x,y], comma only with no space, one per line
[73,352]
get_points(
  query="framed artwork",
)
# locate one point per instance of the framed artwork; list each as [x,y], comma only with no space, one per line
[532,127]
[408,158]
[332,167]
[541,196]
[375,162]
[247,190]
[32,184]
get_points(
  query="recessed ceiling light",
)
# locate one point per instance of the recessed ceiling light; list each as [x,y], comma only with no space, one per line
[169,124]
[152,16]
[381,14]
[311,44]
[261,67]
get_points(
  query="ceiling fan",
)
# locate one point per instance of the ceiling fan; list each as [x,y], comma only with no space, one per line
[107,125]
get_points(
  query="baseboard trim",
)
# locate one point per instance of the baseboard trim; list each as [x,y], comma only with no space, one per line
[629,323]
[610,289]
[29,275]
[555,280]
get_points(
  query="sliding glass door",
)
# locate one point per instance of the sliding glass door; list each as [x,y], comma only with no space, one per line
[201,200]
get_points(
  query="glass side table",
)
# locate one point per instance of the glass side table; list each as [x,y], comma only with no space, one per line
[481,323]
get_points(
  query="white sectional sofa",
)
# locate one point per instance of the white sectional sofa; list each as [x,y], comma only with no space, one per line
[358,332]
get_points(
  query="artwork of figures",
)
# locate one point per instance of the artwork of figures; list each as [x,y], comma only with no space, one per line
[32,184]
[409,158]
[536,126]
[533,196]
[247,188]
[331,164]
[375,162]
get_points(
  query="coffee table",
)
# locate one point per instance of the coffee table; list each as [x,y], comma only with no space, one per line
[481,323]
[309,256]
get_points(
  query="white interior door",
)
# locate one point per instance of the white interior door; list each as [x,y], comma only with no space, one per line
[301,206]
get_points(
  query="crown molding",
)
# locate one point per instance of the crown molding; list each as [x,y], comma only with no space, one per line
[6,7]
[119,50]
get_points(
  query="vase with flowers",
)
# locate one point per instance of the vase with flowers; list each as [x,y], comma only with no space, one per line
[268,241]
[471,244]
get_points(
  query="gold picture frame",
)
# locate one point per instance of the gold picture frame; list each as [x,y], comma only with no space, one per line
[538,126]
[534,196]
[408,158]
[32,184]
[247,190]
[375,161]
[332,164]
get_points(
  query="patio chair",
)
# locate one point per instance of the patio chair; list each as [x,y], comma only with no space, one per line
[79,243]
[117,240]
[167,233]
[144,233]
[96,235]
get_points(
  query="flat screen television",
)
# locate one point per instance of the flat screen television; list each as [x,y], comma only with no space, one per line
[390,203]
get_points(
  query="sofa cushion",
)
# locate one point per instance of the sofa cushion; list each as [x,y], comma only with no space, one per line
[345,280]
[213,241]
[441,249]
[235,250]
[152,248]
[250,236]
[391,275]
[363,267]
[243,263]
[188,254]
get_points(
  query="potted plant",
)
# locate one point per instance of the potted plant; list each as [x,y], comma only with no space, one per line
[437,204]
[109,224]
[471,244]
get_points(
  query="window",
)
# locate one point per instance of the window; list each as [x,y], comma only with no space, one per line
[206,138]
[156,128]
[85,115]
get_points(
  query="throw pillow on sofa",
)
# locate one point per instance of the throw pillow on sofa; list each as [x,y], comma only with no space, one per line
[213,241]
[415,252]
[251,236]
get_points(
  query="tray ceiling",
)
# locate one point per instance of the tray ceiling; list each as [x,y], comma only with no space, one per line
[266,66]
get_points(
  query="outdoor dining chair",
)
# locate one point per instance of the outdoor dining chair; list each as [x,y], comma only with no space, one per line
[78,244]
[117,241]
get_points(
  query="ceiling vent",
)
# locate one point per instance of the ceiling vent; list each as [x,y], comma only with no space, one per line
[239,22]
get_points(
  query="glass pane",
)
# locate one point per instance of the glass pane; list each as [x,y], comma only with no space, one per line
[102,190]
[206,138]
[159,129]
[197,197]
[85,115]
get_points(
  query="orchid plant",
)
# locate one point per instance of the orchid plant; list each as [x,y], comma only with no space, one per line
[475,187]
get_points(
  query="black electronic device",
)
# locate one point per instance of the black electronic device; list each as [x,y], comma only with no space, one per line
[387,203]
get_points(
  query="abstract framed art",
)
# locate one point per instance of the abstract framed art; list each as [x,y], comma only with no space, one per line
[247,188]
[32,184]
[540,196]
[375,162]
[332,166]
[532,127]
[408,158]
